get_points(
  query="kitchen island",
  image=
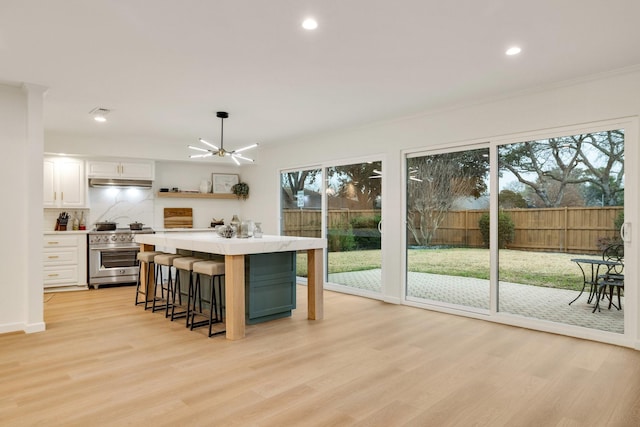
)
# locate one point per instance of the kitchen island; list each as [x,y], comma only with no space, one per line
[234,251]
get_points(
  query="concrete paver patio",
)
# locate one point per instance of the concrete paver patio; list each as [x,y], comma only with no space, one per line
[523,300]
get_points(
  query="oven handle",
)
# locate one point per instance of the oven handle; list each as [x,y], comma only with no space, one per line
[114,248]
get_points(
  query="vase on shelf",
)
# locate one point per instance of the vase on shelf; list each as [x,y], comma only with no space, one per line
[205,186]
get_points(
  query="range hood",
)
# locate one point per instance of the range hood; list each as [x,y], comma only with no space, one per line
[119,183]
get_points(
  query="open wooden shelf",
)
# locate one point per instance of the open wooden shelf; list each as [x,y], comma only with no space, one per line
[183,195]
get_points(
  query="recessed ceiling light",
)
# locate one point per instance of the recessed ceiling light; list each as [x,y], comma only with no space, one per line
[513,51]
[309,24]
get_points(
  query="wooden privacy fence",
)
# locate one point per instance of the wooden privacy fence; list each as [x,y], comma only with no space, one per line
[571,230]
[308,222]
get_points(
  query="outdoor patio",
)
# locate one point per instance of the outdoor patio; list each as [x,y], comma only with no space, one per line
[523,300]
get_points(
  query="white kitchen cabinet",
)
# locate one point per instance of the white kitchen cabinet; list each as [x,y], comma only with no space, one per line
[124,170]
[64,183]
[64,261]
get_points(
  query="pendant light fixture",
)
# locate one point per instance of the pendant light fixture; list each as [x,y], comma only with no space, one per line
[214,150]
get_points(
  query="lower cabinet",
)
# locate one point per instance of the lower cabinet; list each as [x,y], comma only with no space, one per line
[270,286]
[65,262]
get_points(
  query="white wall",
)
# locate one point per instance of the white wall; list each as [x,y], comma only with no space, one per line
[21,139]
[187,176]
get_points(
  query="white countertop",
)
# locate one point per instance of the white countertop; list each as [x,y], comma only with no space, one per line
[181,230]
[210,242]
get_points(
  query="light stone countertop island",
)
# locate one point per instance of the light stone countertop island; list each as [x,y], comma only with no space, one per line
[234,250]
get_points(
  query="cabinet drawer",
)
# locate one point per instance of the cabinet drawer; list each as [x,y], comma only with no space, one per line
[61,275]
[56,241]
[59,256]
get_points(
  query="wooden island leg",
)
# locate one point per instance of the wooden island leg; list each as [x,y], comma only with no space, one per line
[234,296]
[315,284]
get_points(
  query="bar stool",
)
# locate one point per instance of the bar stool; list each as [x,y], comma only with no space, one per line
[165,260]
[145,259]
[215,270]
[183,264]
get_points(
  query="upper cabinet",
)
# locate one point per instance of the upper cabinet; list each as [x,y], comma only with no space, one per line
[124,170]
[65,183]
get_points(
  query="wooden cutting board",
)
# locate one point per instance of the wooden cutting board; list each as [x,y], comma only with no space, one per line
[178,218]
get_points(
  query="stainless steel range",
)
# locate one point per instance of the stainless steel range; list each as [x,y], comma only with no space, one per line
[113,256]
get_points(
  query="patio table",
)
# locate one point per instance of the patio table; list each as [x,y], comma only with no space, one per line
[592,278]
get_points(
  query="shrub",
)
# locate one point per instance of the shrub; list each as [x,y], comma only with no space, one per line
[604,242]
[506,229]
[341,239]
[365,231]
[617,223]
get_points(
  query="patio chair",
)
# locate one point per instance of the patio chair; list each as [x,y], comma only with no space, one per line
[613,279]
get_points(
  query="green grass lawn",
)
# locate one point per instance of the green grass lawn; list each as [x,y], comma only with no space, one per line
[553,270]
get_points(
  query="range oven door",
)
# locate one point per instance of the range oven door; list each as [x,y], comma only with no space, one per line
[113,264]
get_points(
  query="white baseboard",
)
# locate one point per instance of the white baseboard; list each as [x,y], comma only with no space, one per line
[35,327]
[5,328]
[21,327]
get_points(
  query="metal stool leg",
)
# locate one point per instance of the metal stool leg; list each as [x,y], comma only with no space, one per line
[146,296]
[178,290]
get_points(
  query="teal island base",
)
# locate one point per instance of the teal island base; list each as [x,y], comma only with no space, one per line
[270,286]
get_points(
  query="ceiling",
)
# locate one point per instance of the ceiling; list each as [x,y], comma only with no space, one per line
[164,67]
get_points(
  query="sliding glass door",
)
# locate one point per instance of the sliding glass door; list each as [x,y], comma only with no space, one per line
[353,209]
[553,229]
[344,204]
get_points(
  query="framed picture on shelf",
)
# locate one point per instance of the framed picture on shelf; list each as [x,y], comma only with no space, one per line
[223,183]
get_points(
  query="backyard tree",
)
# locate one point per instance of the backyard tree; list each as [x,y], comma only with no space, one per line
[364,179]
[509,199]
[552,167]
[292,182]
[602,155]
[562,194]
[594,195]
[435,182]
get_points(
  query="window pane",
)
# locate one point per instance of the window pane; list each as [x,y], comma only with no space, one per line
[447,196]
[301,208]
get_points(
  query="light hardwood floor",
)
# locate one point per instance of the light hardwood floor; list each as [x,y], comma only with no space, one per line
[103,361]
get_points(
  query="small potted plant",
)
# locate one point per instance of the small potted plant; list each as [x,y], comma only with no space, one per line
[241,190]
